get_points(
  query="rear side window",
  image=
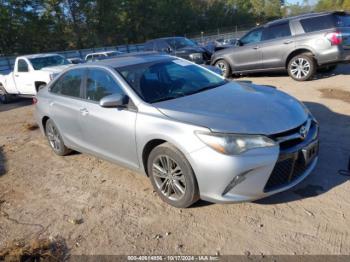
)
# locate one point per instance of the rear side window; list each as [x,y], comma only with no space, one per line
[343,20]
[69,84]
[22,66]
[318,23]
[276,31]
[100,84]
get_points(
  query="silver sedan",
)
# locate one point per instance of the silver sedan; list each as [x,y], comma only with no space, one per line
[193,133]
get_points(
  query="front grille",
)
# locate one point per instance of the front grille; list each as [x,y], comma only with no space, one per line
[292,164]
[285,172]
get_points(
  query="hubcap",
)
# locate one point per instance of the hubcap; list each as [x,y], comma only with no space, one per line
[54,137]
[300,68]
[222,67]
[169,177]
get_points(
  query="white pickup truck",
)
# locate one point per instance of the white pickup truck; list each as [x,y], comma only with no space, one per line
[30,74]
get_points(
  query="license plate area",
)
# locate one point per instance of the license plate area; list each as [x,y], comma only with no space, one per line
[309,153]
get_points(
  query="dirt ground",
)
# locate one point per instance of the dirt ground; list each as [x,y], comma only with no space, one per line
[101,208]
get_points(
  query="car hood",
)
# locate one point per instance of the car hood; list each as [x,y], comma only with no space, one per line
[238,108]
[55,69]
[191,50]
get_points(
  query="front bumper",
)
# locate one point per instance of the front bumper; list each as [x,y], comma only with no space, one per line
[255,174]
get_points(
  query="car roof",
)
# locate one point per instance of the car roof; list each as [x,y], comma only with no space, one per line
[130,59]
[303,16]
[38,55]
[104,52]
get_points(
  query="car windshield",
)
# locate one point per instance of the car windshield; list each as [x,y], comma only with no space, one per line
[179,42]
[41,62]
[112,54]
[169,79]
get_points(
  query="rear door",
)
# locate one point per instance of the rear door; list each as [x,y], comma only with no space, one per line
[108,132]
[248,55]
[65,106]
[276,43]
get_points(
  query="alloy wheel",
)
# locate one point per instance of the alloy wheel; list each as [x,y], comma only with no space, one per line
[222,67]
[300,68]
[54,137]
[169,177]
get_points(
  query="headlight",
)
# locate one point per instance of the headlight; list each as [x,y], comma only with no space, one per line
[232,144]
[196,56]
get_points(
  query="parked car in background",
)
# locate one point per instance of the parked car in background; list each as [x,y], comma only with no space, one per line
[220,44]
[301,45]
[76,60]
[102,55]
[180,47]
[30,73]
[193,133]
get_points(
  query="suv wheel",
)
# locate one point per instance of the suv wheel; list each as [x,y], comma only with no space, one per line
[172,176]
[302,67]
[224,67]
[55,139]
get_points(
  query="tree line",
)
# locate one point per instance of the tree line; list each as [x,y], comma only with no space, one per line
[33,26]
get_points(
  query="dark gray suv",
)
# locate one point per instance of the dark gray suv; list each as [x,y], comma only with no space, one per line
[301,45]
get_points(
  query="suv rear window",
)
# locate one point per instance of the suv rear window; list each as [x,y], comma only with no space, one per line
[325,22]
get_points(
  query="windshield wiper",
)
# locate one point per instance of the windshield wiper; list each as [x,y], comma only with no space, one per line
[166,98]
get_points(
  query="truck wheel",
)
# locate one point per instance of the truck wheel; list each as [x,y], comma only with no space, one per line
[302,67]
[4,97]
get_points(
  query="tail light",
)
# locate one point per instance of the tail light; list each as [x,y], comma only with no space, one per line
[35,100]
[335,38]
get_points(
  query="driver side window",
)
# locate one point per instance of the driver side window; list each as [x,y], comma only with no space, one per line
[252,37]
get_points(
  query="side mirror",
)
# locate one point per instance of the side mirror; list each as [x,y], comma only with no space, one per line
[238,42]
[115,100]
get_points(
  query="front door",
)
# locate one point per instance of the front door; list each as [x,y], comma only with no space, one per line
[108,132]
[248,56]
[23,78]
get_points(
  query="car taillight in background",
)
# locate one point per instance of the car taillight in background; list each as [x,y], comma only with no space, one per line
[35,100]
[335,38]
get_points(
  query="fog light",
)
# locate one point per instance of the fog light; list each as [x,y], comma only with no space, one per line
[235,181]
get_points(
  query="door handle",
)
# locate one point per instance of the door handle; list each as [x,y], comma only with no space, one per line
[288,42]
[16,75]
[256,47]
[84,111]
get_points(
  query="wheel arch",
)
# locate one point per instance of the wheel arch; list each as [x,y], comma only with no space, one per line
[38,84]
[298,52]
[147,149]
[43,122]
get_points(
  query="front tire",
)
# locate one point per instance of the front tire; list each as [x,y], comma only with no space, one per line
[172,176]
[302,67]
[55,139]
[224,67]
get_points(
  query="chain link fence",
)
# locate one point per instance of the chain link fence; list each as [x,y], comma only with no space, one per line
[7,62]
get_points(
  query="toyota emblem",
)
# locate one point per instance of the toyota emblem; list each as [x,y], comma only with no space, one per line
[303,132]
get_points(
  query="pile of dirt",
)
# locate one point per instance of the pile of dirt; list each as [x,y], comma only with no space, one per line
[36,250]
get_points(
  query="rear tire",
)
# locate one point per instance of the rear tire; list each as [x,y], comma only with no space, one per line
[224,67]
[55,139]
[172,176]
[302,67]
[4,97]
